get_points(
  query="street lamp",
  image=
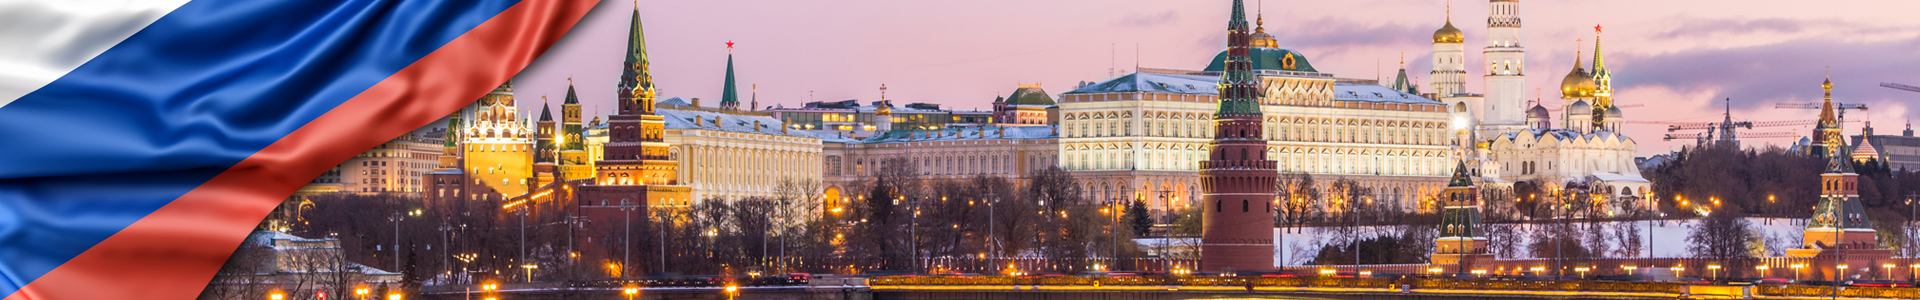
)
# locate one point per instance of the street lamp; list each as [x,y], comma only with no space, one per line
[732,291]
[1796,271]
[1763,270]
[360,293]
[393,296]
[630,292]
[1889,269]
[1713,272]
[1583,271]
[276,296]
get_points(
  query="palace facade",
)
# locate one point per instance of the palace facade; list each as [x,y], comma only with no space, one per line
[1143,135]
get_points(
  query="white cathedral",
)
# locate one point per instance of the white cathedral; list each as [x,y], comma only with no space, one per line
[1508,140]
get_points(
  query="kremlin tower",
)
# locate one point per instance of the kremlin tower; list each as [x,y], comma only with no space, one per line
[1839,234]
[1461,244]
[573,152]
[1237,179]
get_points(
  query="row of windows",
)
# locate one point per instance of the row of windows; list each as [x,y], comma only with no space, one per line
[1425,133]
[951,165]
[1319,163]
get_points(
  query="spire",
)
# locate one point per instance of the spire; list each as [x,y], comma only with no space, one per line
[1460,175]
[756,98]
[729,97]
[1239,88]
[545,115]
[572,98]
[1599,64]
[1828,118]
[635,79]
[1400,83]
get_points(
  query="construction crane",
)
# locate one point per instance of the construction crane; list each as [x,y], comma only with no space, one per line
[1838,107]
[1727,129]
[1902,87]
[1620,106]
[1743,135]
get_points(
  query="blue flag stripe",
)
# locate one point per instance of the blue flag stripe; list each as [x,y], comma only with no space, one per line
[185,98]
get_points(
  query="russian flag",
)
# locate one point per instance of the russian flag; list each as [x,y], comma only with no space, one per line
[142,140]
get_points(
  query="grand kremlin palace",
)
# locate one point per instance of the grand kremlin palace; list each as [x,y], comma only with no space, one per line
[1141,135]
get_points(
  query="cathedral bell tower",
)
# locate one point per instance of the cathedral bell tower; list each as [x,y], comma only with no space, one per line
[1237,179]
[1506,70]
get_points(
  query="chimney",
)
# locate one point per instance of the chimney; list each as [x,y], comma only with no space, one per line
[716,121]
[756,125]
[697,120]
[696,102]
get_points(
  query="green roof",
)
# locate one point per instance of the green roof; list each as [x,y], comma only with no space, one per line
[1460,176]
[729,94]
[571,97]
[1459,222]
[1266,59]
[1850,215]
[545,115]
[1030,95]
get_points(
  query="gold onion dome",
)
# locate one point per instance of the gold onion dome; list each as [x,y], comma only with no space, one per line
[1578,83]
[1448,34]
[1260,37]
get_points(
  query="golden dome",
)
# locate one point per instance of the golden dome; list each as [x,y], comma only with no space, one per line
[1448,34]
[1260,37]
[1577,83]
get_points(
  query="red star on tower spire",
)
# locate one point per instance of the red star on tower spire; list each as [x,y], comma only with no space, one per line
[729,44]
[1596,28]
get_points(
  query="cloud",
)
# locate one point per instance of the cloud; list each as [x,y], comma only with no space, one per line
[1343,33]
[1701,28]
[1757,77]
[1149,20]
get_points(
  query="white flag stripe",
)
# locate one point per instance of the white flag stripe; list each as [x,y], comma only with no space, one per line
[42,40]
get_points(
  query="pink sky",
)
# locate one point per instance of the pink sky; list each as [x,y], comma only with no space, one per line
[1678,58]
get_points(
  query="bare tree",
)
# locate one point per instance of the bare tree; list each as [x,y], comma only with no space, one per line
[1726,238]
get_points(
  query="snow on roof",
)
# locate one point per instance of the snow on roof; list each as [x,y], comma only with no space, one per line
[675,101]
[1148,82]
[1156,83]
[1375,93]
[1566,135]
[965,134]
[1617,177]
[684,119]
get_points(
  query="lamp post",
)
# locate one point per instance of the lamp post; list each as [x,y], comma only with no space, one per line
[523,241]
[631,291]
[1713,272]
[1763,270]
[446,257]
